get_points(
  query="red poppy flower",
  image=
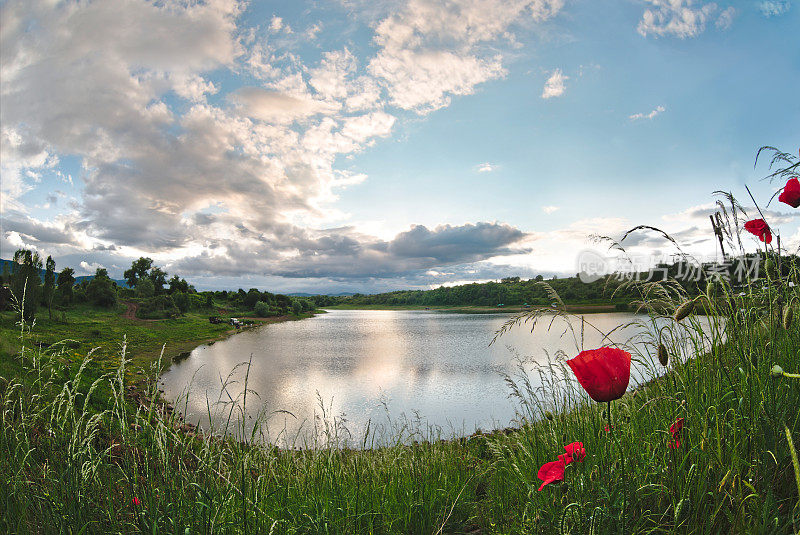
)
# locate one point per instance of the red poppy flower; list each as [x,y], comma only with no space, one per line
[604,373]
[791,193]
[552,471]
[759,227]
[135,501]
[676,429]
[576,451]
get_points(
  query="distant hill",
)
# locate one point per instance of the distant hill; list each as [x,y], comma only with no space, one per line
[78,280]
[304,294]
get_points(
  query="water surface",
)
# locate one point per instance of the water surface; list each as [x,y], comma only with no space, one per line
[377,366]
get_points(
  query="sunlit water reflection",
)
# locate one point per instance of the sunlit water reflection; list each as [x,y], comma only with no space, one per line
[378,368]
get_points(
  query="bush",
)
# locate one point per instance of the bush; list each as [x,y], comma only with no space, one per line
[159,307]
[181,301]
[262,309]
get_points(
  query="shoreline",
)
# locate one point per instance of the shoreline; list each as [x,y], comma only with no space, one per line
[481,309]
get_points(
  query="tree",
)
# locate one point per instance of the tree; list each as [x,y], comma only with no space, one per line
[65,281]
[145,288]
[100,290]
[177,284]
[49,289]
[262,309]
[159,278]
[25,281]
[5,277]
[138,271]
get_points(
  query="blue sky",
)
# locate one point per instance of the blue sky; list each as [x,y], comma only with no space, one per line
[365,146]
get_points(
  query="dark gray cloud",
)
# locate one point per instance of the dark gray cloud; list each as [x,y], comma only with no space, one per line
[344,254]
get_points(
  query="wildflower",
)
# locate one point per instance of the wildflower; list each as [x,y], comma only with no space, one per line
[604,373]
[136,501]
[759,227]
[675,430]
[791,193]
[663,356]
[684,310]
[552,471]
[576,451]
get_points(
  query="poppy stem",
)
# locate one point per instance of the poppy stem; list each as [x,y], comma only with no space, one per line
[608,415]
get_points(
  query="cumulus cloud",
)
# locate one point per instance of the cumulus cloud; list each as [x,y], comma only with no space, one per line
[486,167]
[549,209]
[658,110]
[678,18]
[177,165]
[774,8]
[430,51]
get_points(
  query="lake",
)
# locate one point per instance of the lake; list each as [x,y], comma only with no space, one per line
[384,370]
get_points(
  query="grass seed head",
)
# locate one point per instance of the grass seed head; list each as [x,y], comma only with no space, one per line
[663,356]
[787,317]
[684,310]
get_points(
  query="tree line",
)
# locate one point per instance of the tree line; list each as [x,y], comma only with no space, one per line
[156,294]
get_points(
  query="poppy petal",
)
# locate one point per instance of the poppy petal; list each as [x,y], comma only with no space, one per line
[604,373]
[576,451]
[759,227]
[550,472]
[791,193]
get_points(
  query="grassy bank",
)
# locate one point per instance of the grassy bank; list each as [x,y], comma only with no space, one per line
[68,464]
[85,328]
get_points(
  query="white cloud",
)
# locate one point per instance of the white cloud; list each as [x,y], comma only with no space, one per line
[277,107]
[554,87]
[725,19]
[486,167]
[430,51]
[90,268]
[549,209]
[774,8]
[679,18]
[651,115]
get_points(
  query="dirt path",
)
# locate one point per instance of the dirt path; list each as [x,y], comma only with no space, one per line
[130,313]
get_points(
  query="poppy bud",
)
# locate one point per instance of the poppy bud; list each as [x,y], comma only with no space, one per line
[776,371]
[663,356]
[684,310]
[787,317]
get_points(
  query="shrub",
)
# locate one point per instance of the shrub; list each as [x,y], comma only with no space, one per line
[262,309]
[181,301]
[161,306]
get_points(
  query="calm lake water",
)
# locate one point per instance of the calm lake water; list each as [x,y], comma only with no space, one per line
[373,368]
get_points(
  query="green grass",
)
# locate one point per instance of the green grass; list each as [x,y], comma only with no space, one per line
[103,331]
[73,453]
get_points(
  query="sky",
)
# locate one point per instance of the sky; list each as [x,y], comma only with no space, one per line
[371,145]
